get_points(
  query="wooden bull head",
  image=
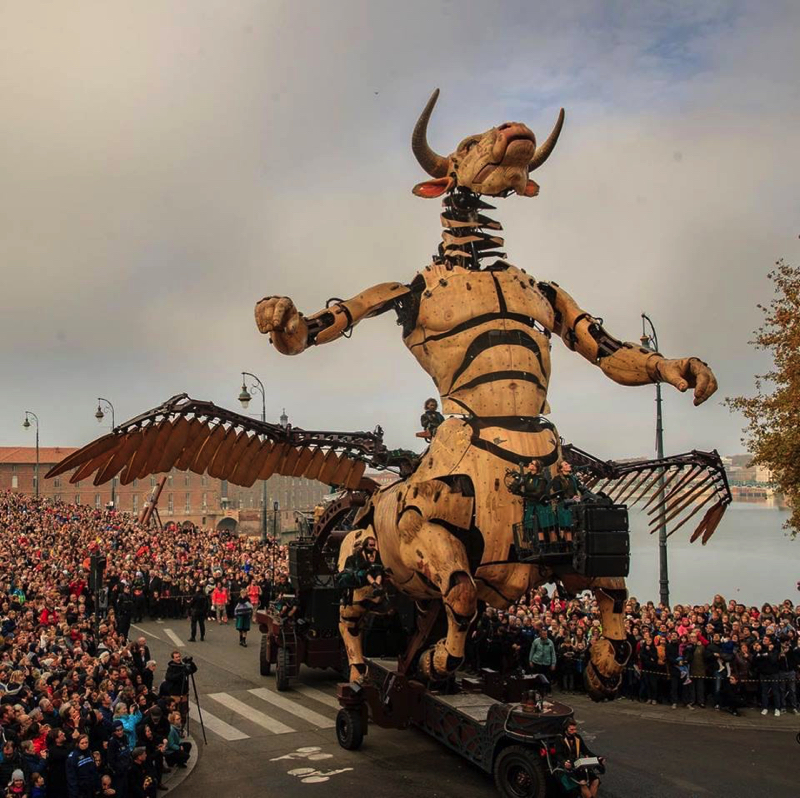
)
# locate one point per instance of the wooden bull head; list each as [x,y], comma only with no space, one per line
[493,163]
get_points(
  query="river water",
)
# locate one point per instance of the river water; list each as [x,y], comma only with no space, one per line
[749,558]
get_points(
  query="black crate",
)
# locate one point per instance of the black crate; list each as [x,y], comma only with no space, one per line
[599,517]
[322,608]
[601,564]
[301,565]
[603,542]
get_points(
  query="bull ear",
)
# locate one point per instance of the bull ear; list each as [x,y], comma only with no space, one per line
[431,189]
[531,189]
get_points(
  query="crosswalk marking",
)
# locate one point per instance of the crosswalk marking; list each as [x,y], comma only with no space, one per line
[253,715]
[173,637]
[214,724]
[318,695]
[294,707]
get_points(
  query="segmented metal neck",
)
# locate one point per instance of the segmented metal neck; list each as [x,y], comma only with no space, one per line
[468,236]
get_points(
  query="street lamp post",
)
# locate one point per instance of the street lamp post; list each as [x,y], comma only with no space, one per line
[244,398]
[26,425]
[275,508]
[650,341]
[99,415]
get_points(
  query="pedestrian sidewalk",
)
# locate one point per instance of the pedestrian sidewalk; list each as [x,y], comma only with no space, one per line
[750,717]
[179,775]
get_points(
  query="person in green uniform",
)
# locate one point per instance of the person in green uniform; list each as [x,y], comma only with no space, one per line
[565,490]
[532,485]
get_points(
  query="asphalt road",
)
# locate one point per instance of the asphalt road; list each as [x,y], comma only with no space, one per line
[284,743]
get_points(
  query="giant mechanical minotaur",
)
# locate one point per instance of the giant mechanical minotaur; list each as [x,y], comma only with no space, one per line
[481,328]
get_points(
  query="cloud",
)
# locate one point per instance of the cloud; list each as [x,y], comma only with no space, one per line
[165,166]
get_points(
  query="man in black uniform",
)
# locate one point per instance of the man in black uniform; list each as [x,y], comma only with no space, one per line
[198,609]
[431,418]
[534,488]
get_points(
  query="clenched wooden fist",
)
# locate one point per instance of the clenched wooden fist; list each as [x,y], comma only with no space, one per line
[278,316]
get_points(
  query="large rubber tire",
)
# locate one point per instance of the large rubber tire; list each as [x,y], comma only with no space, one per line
[349,729]
[518,773]
[265,666]
[281,670]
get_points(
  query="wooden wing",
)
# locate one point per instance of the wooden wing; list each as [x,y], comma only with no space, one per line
[672,490]
[199,436]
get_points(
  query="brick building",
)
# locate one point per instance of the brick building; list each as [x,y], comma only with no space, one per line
[186,496]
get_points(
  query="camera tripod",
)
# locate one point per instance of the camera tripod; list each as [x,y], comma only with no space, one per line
[190,676]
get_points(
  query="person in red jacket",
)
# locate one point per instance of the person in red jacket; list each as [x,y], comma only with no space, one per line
[219,601]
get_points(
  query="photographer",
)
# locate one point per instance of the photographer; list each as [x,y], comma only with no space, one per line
[572,748]
[176,681]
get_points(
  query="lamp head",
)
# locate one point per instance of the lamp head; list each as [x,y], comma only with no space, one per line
[99,415]
[244,396]
[26,424]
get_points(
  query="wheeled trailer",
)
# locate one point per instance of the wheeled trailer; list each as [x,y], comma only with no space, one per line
[510,733]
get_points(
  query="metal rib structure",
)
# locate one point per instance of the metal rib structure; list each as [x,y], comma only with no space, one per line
[199,436]
[673,489]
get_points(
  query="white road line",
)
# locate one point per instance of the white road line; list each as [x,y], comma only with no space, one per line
[214,724]
[294,707]
[174,638]
[145,632]
[318,695]
[253,715]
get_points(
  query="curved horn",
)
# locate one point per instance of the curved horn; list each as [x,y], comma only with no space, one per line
[543,152]
[433,163]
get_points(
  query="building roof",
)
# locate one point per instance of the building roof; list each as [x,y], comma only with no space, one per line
[24,455]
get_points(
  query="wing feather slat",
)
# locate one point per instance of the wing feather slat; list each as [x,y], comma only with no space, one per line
[208,450]
[275,455]
[89,452]
[149,435]
[339,476]
[198,435]
[692,514]
[217,463]
[236,459]
[248,478]
[173,446]
[353,478]
[328,467]
[120,458]
[153,459]
[306,456]
[713,522]
[312,470]
[286,466]
[92,465]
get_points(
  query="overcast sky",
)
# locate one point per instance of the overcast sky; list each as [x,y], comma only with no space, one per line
[163,165]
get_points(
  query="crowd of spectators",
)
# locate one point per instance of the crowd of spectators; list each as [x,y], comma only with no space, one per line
[82,711]
[83,714]
[721,655]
